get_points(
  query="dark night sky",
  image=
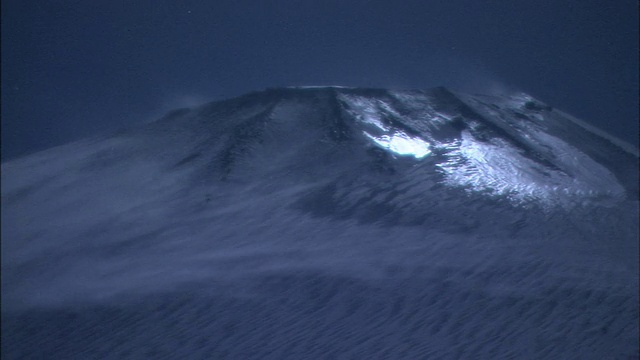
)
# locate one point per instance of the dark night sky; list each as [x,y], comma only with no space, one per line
[76,68]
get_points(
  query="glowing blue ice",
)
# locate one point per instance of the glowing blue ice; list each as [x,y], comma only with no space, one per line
[402,144]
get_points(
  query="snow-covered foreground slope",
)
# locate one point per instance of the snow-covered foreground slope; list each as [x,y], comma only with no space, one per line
[327,223]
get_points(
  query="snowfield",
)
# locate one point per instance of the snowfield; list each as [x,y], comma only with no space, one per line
[327,223]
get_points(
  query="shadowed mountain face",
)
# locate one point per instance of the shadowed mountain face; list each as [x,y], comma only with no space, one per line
[290,217]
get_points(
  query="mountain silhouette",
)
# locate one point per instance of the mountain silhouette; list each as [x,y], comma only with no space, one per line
[327,222]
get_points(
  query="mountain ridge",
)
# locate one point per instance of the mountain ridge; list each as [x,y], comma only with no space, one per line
[420,123]
[328,216]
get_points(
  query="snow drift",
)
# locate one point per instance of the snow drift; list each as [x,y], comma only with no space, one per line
[327,222]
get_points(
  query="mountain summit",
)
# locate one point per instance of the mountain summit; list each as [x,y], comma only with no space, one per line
[323,194]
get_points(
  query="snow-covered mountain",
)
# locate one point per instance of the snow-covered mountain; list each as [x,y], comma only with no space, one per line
[327,222]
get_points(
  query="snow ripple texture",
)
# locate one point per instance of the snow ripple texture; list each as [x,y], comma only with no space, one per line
[327,223]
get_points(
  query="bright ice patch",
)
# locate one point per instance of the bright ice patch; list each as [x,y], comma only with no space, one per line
[498,169]
[402,144]
[371,113]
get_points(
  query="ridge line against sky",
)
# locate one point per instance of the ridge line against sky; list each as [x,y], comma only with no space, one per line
[72,69]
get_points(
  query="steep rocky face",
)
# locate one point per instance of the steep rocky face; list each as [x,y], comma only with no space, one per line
[503,146]
[380,155]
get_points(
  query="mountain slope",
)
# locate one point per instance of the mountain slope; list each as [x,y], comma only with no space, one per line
[309,220]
